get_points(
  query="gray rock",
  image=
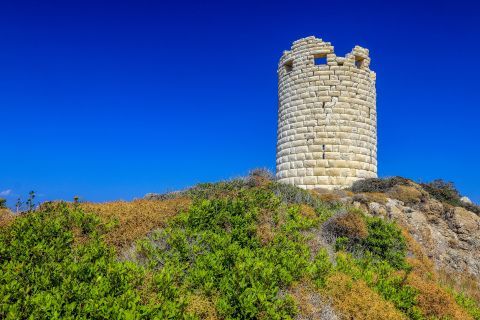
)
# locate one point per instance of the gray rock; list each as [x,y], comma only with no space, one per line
[466,200]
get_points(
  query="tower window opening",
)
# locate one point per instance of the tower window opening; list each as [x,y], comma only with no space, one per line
[320,59]
[359,62]
[288,66]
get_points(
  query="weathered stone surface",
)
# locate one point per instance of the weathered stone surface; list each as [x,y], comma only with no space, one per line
[450,236]
[327,120]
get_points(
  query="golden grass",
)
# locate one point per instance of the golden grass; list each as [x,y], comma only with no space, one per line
[6,217]
[307,211]
[377,197]
[329,197]
[406,194]
[355,300]
[420,262]
[434,301]
[265,229]
[307,299]
[136,218]
[202,307]
[461,282]
[350,224]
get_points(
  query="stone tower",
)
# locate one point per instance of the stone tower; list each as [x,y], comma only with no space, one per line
[327,119]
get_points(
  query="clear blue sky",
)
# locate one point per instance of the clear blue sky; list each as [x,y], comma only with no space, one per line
[111,100]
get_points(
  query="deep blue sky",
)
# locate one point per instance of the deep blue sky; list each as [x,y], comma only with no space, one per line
[111,100]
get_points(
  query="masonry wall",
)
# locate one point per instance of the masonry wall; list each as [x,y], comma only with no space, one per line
[327,119]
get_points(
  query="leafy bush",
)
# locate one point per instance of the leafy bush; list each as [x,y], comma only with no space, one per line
[350,224]
[384,279]
[368,236]
[231,250]
[378,185]
[447,192]
[354,299]
[216,251]
[470,305]
[443,191]
[3,203]
[48,274]
[385,241]
[259,177]
[290,194]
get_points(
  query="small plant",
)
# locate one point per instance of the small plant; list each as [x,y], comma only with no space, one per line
[386,242]
[30,201]
[18,205]
[443,191]
[259,177]
[350,224]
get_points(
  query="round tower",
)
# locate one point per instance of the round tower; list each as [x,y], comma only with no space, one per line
[327,119]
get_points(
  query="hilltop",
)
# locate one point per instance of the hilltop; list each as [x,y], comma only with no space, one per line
[248,248]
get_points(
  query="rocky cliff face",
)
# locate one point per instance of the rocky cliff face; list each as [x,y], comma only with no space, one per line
[448,234]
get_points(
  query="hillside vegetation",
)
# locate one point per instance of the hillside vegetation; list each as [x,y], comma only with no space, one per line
[248,248]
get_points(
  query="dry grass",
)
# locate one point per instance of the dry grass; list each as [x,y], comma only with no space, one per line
[434,301]
[350,224]
[377,197]
[6,217]
[310,303]
[307,211]
[202,307]
[406,194]
[461,282]
[355,300]
[329,197]
[265,228]
[136,218]
[419,260]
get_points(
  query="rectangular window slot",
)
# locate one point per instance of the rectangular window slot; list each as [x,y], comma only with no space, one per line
[320,59]
[288,66]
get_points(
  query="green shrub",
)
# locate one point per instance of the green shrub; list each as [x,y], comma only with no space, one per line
[3,203]
[378,184]
[54,265]
[215,249]
[371,236]
[447,192]
[385,279]
[385,242]
[350,224]
[443,191]
[470,305]
[321,268]
[290,194]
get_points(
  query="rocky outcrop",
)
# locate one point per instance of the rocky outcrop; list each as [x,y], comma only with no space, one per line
[449,235]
